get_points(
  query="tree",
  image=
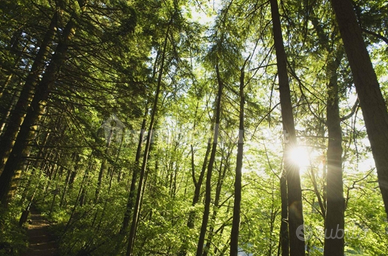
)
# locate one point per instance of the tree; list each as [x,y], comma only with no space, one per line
[238,178]
[18,113]
[132,233]
[132,189]
[368,90]
[295,210]
[34,111]
[334,222]
[205,216]
[333,210]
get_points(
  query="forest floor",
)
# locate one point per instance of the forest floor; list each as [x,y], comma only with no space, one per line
[42,241]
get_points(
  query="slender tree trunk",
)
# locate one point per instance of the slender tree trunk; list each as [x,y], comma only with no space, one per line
[72,214]
[274,214]
[334,222]
[237,182]
[205,217]
[14,48]
[103,167]
[368,89]
[295,210]
[197,192]
[221,176]
[36,163]
[136,211]
[8,80]
[132,189]
[15,43]
[7,112]
[198,185]
[64,190]
[119,151]
[17,116]
[284,238]
[70,176]
[33,114]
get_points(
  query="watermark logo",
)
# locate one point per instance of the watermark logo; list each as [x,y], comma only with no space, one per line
[337,233]
[305,233]
[113,128]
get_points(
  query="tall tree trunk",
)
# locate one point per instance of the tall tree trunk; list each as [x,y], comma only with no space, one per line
[334,222]
[39,155]
[295,211]
[216,207]
[368,89]
[34,112]
[205,217]
[274,215]
[284,238]
[136,210]
[17,116]
[197,192]
[198,185]
[334,212]
[237,182]
[17,35]
[132,189]
[8,80]
[7,112]
[103,166]
[85,184]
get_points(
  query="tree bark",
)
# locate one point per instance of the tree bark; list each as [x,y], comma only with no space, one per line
[14,49]
[33,114]
[103,167]
[224,167]
[239,164]
[205,217]
[132,189]
[198,185]
[197,193]
[7,112]
[295,210]
[284,238]
[333,211]
[334,222]
[17,116]
[368,89]
[136,210]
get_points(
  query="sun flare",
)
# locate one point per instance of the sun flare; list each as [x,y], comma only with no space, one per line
[300,156]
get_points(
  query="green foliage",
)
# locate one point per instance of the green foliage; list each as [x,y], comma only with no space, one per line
[13,238]
[82,158]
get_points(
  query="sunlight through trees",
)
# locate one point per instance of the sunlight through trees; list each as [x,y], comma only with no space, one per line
[180,127]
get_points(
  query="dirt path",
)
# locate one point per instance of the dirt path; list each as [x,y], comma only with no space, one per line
[41,240]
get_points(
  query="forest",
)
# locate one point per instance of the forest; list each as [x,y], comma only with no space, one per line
[194,127]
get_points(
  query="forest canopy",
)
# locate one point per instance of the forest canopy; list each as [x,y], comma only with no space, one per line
[193,127]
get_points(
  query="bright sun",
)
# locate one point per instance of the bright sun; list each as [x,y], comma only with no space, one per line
[301,156]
